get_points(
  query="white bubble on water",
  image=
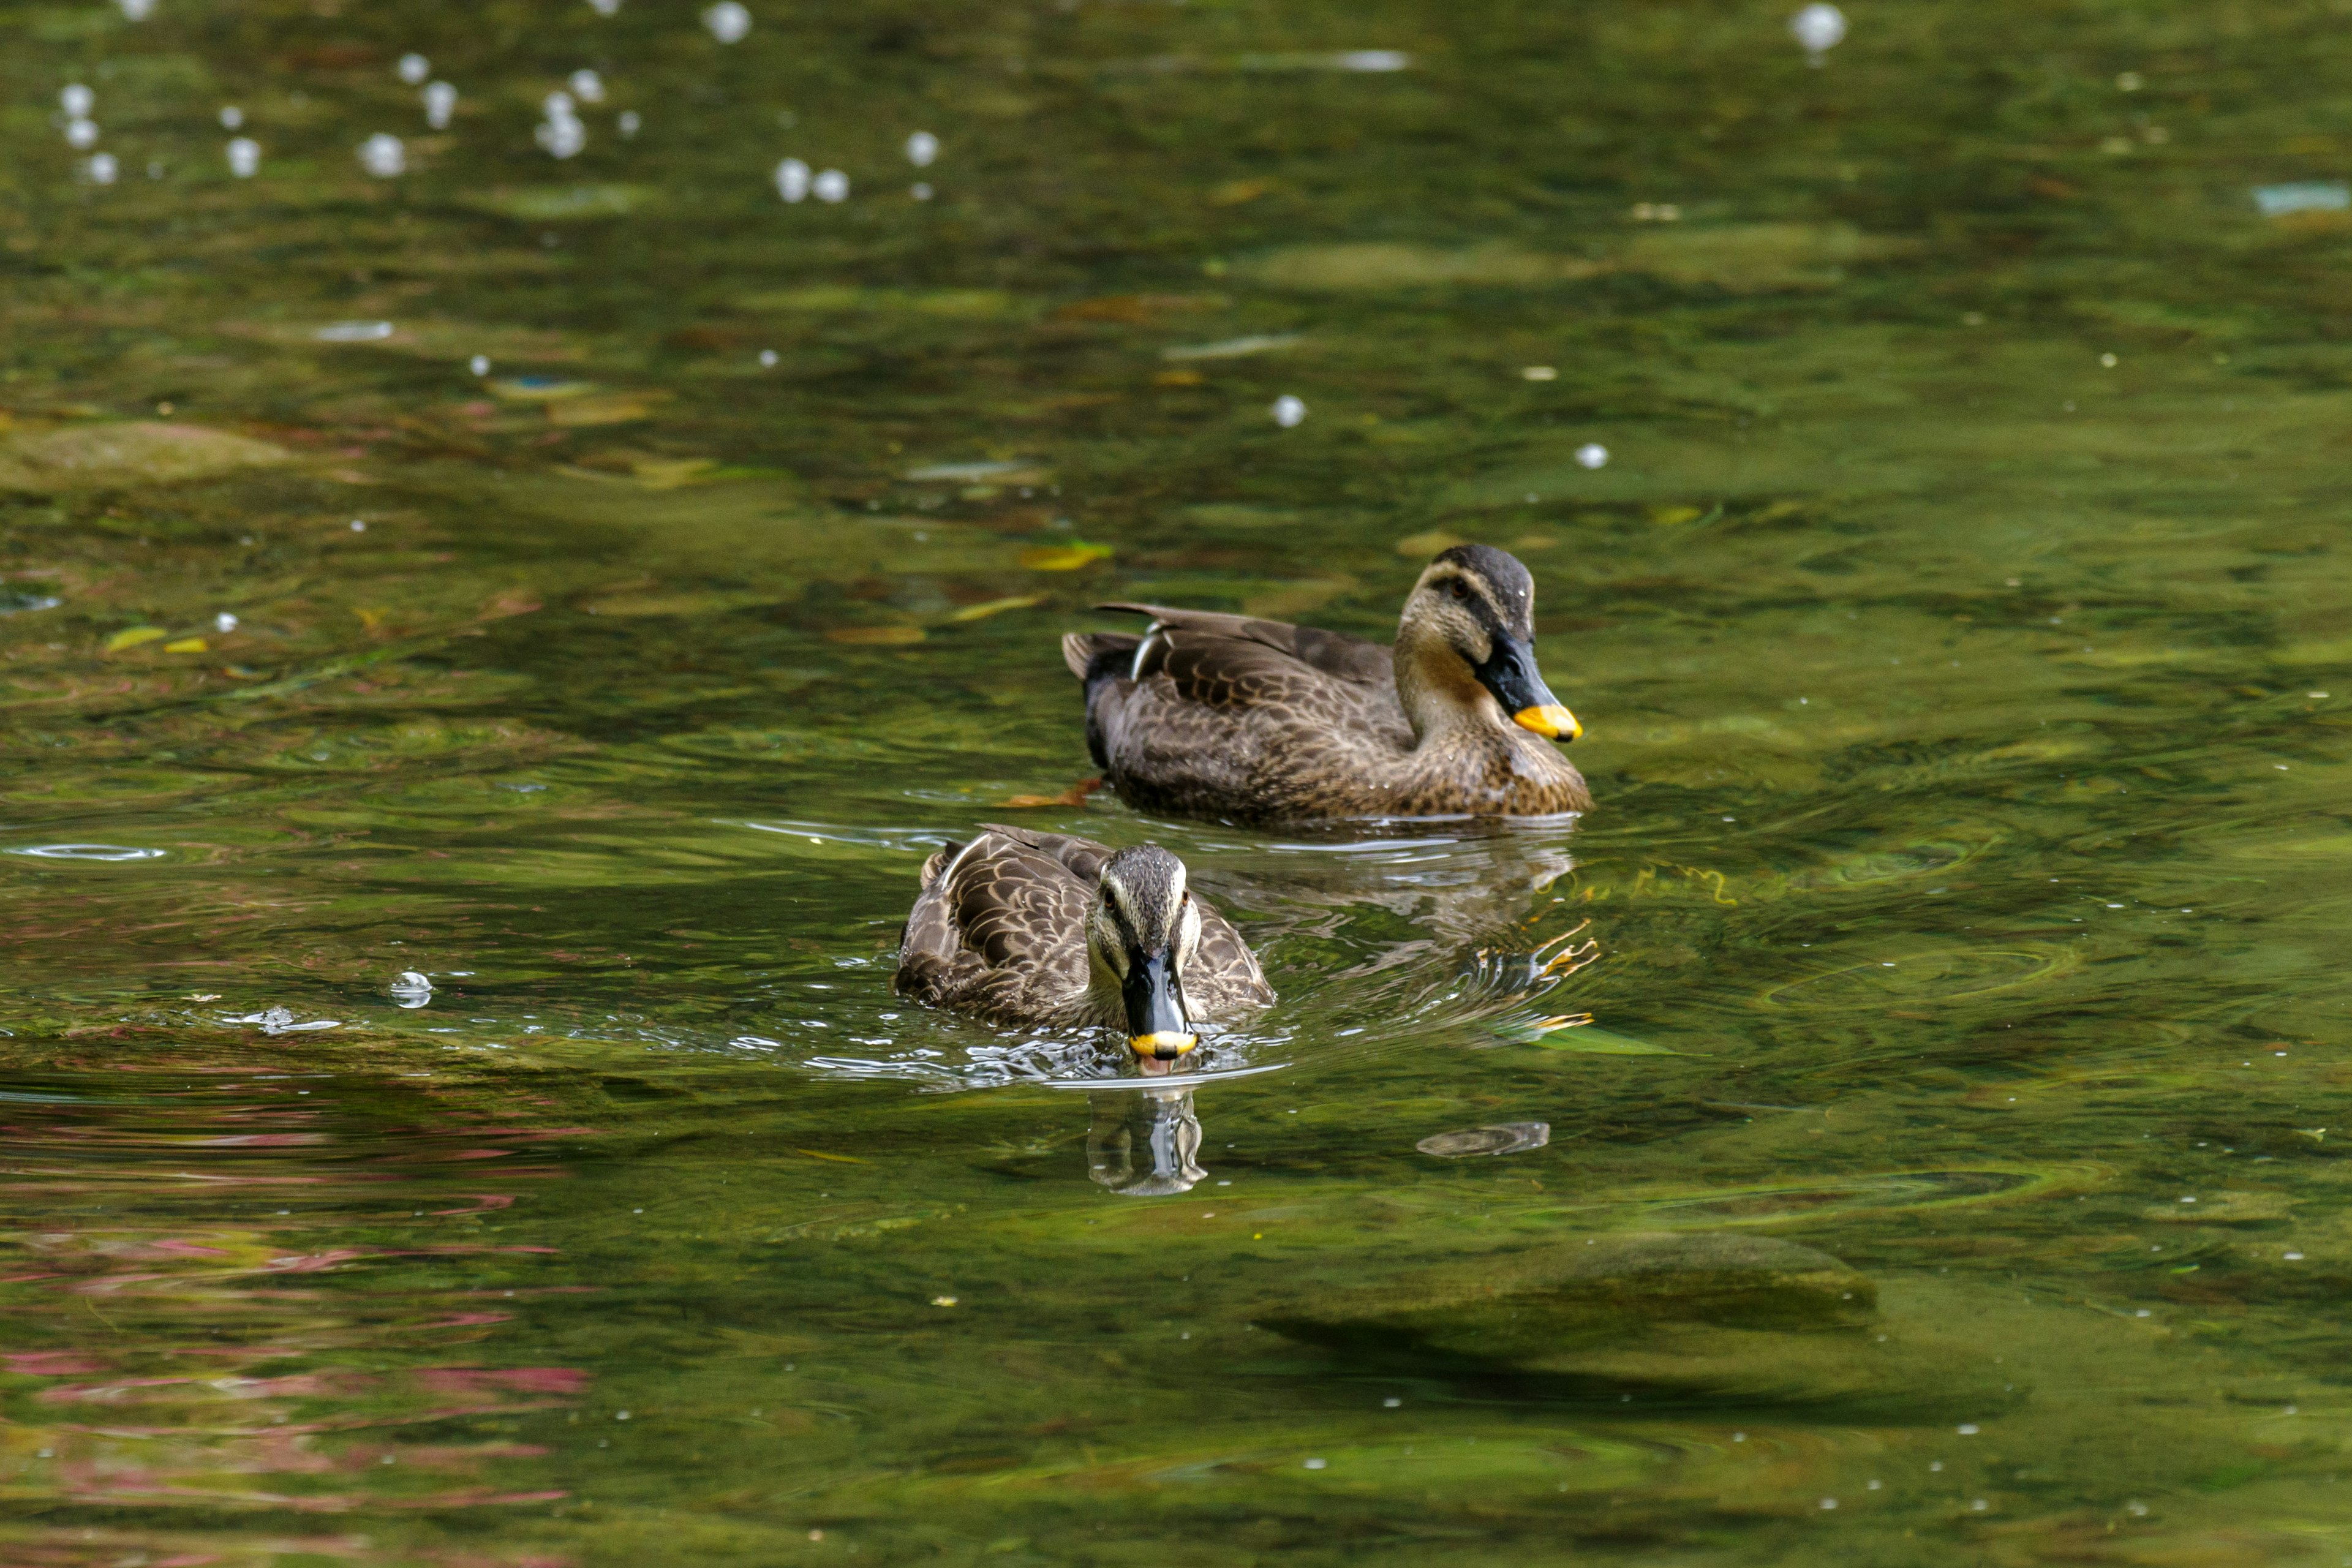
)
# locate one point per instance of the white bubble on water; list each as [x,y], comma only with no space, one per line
[830,185]
[587,86]
[81,134]
[920,191]
[244,157]
[1289,412]
[479,365]
[922,147]
[224,623]
[629,123]
[440,104]
[411,989]
[102,169]
[728,21]
[1818,27]
[383,156]
[1591,454]
[414,68]
[556,106]
[562,137]
[767,358]
[792,180]
[77,100]
[137,10]
[231,117]
[606,7]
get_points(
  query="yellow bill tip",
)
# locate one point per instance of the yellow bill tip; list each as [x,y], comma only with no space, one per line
[1164,1045]
[1550,720]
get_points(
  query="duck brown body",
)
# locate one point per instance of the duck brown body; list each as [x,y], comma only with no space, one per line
[999,930]
[1251,721]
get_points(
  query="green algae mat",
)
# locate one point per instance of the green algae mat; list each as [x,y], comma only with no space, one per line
[501,592]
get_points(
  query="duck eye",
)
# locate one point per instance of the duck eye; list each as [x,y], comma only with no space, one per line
[1461,590]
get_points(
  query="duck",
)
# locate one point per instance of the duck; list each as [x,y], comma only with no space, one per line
[1259,722]
[1046,930]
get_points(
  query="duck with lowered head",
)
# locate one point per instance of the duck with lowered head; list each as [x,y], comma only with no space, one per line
[1227,716]
[1046,930]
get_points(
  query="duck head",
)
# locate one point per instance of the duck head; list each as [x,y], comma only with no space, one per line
[1141,932]
[1468,640]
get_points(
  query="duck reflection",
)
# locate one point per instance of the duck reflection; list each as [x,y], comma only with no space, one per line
[1144,1144]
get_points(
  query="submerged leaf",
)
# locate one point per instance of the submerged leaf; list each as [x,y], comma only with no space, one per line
[1068,557]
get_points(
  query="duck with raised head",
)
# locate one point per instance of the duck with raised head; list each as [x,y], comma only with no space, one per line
[1049,931]
[1249,720]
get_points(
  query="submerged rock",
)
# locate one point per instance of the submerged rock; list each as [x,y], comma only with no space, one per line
[1532,1308]
[134,453]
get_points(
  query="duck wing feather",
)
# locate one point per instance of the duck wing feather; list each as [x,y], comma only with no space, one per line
[1213,644]
[1231,714]
[1000,926]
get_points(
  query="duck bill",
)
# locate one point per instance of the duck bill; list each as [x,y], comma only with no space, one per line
[1156,1029]
[1510,673]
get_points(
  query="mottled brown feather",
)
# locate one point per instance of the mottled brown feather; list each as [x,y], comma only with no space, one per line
[999,930]
[1245,719]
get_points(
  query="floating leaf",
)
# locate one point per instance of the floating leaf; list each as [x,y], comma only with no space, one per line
[539,388]
[1068,557]
[1570,1036]
[842,296]
[131,452]
[981,612]
[607,408]
[539,203]
[877,636]
[185,645]
[1009,473]
[1073,796]
[1429,544]
[1235,348]
[131,636]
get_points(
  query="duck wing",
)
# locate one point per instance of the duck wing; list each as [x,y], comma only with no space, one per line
[1209,643]
[1231,715]
[1224,976]
[1000,926]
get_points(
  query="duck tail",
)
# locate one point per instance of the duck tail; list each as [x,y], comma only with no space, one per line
[939,860]
[1095,656]
[1099,660]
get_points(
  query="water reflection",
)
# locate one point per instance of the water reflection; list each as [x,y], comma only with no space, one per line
[1144,1145]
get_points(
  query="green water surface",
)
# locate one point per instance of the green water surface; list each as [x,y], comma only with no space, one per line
[1960,621]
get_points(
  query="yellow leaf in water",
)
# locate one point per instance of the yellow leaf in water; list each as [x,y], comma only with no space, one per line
[874,636]
[671,473]
[837,1159]
[981,612]
[1669,516]
[1068,557]
[185,645]
[1429,544]
[540,389]
[609,409]
[131,636]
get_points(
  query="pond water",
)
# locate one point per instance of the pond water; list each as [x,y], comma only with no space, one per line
[590,585]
